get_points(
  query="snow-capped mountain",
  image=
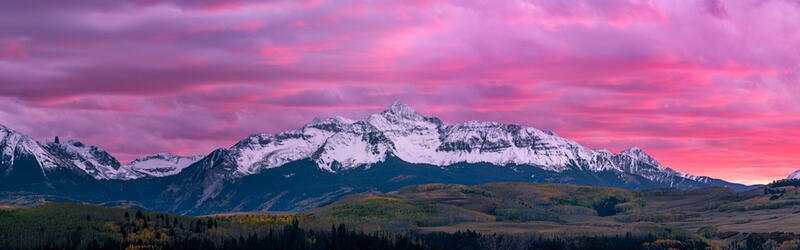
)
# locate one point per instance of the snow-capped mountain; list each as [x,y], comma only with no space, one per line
[160,165]
[93,160]
[14,144]
[102,166]
[326,159]
[339,143]
[28,166]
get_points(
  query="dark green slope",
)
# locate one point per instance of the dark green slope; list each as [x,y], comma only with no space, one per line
[301,185]
[208,186]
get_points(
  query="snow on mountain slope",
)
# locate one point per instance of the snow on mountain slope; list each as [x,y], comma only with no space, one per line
[93,160]
[162,164]
[794,175]
[340,143]
[50,155]
[337,140]
[13,143]
[101,165]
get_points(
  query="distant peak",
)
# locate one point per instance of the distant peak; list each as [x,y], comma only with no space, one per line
[168,156]
[401,111]
[162,155]
[399,106]
[638,153]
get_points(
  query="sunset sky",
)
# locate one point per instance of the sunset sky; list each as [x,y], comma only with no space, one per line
[706,87]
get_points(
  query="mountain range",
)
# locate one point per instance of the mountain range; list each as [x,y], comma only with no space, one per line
[324,160]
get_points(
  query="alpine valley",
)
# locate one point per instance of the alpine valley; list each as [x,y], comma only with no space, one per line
[322,161]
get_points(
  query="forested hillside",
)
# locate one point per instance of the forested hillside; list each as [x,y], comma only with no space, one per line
[71,226]
[433,216]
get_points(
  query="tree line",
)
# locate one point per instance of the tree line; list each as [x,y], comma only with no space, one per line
[73,226]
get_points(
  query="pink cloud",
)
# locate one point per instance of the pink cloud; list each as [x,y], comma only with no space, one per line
[298,23]
[12,50]
[249,26]
[280,55]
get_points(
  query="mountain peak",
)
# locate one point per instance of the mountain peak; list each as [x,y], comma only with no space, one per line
[161,164]
[399,106]
[638,153]
[162,155]
[13,142]
[400,111]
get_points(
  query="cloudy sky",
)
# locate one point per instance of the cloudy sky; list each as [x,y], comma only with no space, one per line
[706,87]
